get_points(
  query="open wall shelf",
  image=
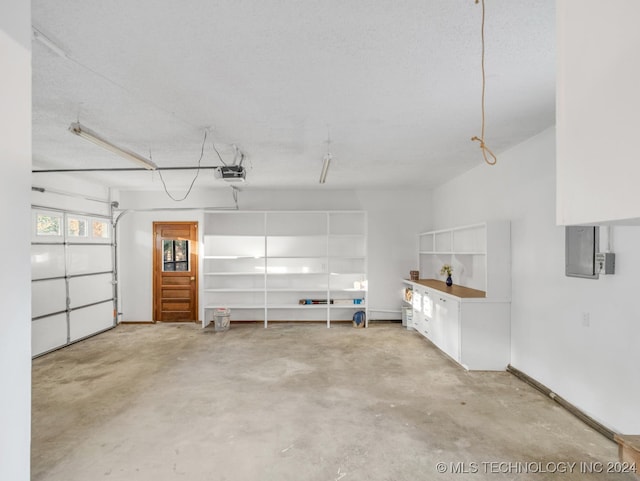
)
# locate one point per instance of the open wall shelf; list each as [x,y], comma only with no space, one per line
[480,255]
[285,265]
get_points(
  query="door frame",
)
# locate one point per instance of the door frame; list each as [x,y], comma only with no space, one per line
[193,260]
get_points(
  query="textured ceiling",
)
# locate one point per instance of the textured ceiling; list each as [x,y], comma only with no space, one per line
[395,83]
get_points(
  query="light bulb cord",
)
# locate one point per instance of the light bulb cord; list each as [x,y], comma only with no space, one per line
[489,156]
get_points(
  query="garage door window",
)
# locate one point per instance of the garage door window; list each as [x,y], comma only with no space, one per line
[48,225]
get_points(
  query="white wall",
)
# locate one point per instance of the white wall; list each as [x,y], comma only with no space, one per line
[393,224]
[15,158]
[86,197]
[593,367]
[135,261]
[597,110]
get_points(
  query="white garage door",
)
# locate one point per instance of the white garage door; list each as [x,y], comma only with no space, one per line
[72,294]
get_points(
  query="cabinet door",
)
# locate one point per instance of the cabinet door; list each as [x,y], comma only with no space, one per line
[417,317]
[436,333]
[427,313]
[449,316]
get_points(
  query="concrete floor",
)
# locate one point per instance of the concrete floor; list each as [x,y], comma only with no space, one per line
[293,402]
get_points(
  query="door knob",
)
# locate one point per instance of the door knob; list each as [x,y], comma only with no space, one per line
[193,278]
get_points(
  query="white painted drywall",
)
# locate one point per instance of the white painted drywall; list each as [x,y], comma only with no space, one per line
[597,110]
[594,366]
[394,218]
[15,157]
[135,260]
[85,196]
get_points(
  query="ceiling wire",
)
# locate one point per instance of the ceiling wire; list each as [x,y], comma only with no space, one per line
[234,193]
[485,150]
[219,156]
[194,178]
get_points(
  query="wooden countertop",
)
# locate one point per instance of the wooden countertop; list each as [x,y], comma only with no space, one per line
[454,290]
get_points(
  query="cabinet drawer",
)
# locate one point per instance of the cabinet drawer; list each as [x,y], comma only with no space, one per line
[423,328]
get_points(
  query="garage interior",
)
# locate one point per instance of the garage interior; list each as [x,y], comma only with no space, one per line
[306,165]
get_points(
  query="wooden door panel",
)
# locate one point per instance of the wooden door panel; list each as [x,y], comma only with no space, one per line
[173,306]
[175,271]
[173,292]
[175,233]
[170,279]
[177,316]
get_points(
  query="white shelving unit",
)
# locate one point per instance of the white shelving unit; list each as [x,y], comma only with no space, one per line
[480,255]
[233,265]
[285,266]
[470,321]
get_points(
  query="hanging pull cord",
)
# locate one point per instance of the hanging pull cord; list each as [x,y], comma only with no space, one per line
[490,158]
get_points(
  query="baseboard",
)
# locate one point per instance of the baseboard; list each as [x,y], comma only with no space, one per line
[581,415]
[137,322]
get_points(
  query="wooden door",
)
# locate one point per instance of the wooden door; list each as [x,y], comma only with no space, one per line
[175,271]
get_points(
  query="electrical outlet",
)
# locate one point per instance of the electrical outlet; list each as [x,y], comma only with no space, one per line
[586,319]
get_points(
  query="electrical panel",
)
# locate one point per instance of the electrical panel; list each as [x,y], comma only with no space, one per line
[606,263]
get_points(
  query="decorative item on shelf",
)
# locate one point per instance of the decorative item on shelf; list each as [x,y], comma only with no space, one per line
[448,270]
[309,302]
[408,294]
[414,275]
[346,302]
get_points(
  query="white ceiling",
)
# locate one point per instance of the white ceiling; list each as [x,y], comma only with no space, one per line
[396,83]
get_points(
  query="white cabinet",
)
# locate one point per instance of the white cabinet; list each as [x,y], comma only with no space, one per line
[419,323]
[473,331]
[446,314]
[285,266]
[469,321]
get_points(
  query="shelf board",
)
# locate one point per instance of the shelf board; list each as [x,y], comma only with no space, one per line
[347,257]
[292,289]
[464,227]
[348,289]
[297,236]
[234,274]
[232,258]
[296,273]
[347,273]
[233,235]
[454,253]
[298,306]
[454,290]
[231,289]
[296,257]
[235,306]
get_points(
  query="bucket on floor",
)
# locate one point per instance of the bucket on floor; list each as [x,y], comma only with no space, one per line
[359,319]
[221,319]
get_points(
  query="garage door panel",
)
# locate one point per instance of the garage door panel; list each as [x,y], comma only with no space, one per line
[47,261]
[90,289]
[89,320]
[86,259]
[48,333]
[48,297]
[71,267]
